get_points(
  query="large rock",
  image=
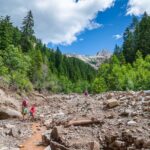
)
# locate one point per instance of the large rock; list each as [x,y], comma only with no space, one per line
[147,98]
[6,113]
[111,103]
[9,126]
[117,144]
[131,123]
[46,137]
[139,142]
[8,101]
[110,95]
[48,123]
[48,148]
[147,93]
[147,144]
[84,145]
[95,145]
[57,133]
[15,132]
[125,113]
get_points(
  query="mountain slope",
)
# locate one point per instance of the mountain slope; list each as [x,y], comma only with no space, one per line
[96,60]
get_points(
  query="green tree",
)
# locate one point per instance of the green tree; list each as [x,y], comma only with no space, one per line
[99,85]
[16,37]
[144,35]
[3,68]
[36,68]
[6,32]
[28,24]
[18,66]
[27,32]
[117,51]
[128,46]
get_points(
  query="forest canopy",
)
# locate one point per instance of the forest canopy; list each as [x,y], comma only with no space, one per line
[26,63]
[129,66]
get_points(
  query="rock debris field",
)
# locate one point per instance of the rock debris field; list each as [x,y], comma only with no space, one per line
[109,121]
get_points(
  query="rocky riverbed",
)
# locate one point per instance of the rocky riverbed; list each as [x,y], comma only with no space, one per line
[109,121]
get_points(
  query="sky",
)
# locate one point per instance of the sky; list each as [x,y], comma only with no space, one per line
[77,26]
[114,21]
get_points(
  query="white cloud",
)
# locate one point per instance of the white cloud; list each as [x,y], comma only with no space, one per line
[138,7]
[93,25]
[57,21]
[117,36]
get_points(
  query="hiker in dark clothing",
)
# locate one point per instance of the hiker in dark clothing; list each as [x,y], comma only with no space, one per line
[86,93]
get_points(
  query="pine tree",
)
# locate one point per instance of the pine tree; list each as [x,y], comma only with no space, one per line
[117,51]
[28,24]
[16,37]
[128,46]
[27,32]
[134,23]
[58,61]
[144,35]
[6,32]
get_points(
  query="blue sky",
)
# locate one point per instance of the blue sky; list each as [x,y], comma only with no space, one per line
[114,21]
[76,24]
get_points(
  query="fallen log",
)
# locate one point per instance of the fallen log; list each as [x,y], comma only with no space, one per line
[40,95]
[55,145]
[83,122]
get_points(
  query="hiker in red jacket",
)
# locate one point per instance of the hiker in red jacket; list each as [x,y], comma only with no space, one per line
[32,111]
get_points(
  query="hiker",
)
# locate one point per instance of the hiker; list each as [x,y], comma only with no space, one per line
[24,107]
[86,93]
[32,111]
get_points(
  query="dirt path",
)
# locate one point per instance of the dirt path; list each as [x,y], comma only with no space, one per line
[31,143]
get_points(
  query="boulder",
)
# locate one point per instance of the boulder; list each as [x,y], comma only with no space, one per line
[110,95]
[147,93]
[48,148]
[14,132]
[118,144]
[147,109]
[125,113]
[95,145]
[47,123]
[46,137]
[147,98]
[111,103]
[8,101]
[139,143]
[6,113]
[131,123]
[57,132]
[147,144]
[21,146]
[85,145]
[9,126]
[146,103]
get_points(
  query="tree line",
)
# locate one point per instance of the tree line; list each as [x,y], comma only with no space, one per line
[26,63]
[129,66]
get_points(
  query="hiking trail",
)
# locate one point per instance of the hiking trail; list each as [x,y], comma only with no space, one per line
[32,142]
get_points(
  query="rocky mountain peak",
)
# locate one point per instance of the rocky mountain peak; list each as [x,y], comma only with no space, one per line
[104,53]
[93,60]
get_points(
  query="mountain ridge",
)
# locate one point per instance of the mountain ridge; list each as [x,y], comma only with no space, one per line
[94,60]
